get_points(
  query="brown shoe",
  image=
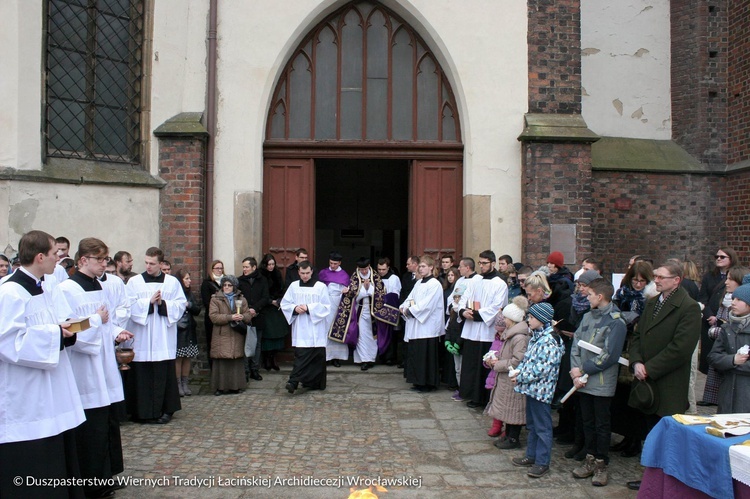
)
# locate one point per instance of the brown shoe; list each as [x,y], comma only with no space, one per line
[600,478]
[587,468]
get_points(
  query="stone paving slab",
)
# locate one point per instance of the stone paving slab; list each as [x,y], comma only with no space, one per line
[364,426]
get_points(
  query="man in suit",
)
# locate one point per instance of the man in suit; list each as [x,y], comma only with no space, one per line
[662,346]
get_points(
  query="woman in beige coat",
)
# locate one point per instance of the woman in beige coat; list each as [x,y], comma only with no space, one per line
[230,315]
[505,404]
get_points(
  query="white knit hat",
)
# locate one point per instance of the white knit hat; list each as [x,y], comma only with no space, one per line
[514,313]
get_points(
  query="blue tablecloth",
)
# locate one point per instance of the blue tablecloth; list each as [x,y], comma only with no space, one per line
[692,456]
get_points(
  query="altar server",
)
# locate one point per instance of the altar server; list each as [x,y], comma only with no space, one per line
[95,367]
[157,303]
[423,311]
[306,305]
[39,401]
[478,308]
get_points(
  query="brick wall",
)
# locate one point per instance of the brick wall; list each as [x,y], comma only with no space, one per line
[554,38]
[556,187]
[739,81]
[699,77]
[670,216]
[182,218]
[737,194]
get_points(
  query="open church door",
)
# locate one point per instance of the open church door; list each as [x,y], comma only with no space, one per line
[288,208]
[436,208]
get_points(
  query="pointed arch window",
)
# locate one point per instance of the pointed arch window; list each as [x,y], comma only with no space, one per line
[363,75]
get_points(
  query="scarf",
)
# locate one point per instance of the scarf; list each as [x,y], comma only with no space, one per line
[630,299]
[740,323]
[580,303]
[230,299]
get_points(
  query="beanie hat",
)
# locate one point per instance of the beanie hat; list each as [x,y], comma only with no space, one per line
[230,279]
[588,276]
[743,292]
[556,258]
[516,310]
[542,312]
[514,313]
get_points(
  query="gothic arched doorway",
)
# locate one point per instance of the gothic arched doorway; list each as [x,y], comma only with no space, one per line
[363,93]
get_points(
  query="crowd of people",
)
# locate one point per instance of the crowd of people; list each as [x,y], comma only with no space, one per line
[515,342]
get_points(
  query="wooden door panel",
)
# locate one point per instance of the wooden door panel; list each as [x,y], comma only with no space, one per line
[436,209]
[288,208]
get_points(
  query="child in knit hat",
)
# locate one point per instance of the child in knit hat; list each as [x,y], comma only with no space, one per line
[729,354]
[505,403]
[536,378]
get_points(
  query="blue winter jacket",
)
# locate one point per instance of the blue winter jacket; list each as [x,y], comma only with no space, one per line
[539,368]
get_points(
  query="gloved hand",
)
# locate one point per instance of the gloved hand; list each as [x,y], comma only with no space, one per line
[453,348]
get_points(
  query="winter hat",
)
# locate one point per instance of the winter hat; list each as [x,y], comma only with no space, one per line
[231,279]
[588,276]
[542,311]
[556,258]
[516,310]
[743,292]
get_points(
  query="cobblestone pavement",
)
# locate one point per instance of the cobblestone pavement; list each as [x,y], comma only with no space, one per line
[365,425]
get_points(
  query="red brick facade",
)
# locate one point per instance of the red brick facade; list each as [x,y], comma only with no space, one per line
[182,209]
[556,185]
[669,216]
[699,78]
[554,39]
[739,82]
[737,195]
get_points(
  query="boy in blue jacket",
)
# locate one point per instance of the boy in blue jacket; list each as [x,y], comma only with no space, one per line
[536,378]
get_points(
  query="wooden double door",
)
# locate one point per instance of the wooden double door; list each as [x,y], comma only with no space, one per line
[435,218]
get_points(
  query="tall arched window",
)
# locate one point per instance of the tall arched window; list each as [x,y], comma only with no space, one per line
[363,75]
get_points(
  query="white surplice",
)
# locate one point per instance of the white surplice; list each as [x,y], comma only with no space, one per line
[392,284]
[367,345]
[38,393]
[155,336]
[93,355]
[308,329]
[425,304]
[335,349]
[492,295]
[118,304]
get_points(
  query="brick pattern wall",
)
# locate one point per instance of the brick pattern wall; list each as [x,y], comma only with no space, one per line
[699,77]
[554,38]
[670,216]
[556,187]
[739,81]
[737,218]
[182,216]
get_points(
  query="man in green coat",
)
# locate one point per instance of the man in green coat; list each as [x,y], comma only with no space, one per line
[662,346]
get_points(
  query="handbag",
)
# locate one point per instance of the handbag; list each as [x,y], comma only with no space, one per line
[184,322]
[251,341]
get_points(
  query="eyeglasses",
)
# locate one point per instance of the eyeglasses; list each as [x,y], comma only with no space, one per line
[721,257]
[485,263]
[228,285]
[522,281]
[99,259]
[218,268]
[660,277]
[639,281]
